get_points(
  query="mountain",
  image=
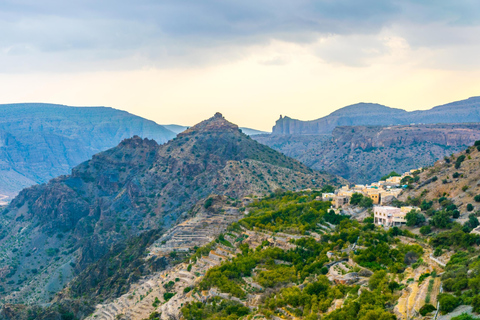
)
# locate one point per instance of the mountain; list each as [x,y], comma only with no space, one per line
[51,232]
[41,141]
[367,114]
[363,154]
[178,128]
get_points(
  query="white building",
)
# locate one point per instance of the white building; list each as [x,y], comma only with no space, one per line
[389,216]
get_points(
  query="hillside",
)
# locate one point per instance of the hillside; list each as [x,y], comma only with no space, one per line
[53,231]
[455,177]
[369,114]
[362,154]
[41,141]
[288,258]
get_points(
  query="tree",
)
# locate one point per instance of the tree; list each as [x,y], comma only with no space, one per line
[440,220]
[472,222]
[366,202]
[377,279]
[476,303]
[477,198]
[425,230]
[469,207]
[391,174]
[356,198]
[414,218]
[426,309]
[448,302]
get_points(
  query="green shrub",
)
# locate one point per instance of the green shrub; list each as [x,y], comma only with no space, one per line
[448,302]
[426,309]
[168,295]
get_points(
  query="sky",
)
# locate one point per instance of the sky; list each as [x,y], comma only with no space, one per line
[180,61]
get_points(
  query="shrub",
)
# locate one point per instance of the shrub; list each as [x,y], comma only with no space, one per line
[426,309]
[448,302]
[477,198]
[425,230]
[456,175]
[168,295]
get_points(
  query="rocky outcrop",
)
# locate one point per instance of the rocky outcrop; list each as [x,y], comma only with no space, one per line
[370,114]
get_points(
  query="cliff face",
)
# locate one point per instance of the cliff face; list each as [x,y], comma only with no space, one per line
[365,137]
[41,141]
[50,232]
[363,154]
[378,115]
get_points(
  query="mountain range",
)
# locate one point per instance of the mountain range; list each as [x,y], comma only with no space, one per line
[40,141]
[51,232]
[369,114]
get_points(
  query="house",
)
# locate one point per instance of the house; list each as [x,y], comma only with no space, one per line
[328,196]
[394,180]
[341,201]
[389,216]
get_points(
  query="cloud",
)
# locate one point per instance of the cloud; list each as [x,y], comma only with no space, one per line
[84,35]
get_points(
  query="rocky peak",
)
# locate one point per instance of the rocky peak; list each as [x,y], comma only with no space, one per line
[215,123]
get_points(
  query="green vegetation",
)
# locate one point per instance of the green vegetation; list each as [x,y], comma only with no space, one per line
[426,309]
[358,199]
[391,174]
[414,218]
[295,277]
[216,308]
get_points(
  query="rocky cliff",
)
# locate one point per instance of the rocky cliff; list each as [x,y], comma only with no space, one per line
[363,154]
[53,231]
[374,114]
[41,141]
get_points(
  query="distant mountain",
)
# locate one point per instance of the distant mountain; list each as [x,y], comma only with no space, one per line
[367,114]
[51,232]
[363,154]
[41,141]
[178,128]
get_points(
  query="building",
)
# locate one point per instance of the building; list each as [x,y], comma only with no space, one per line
[389,216]
[328,196]
[341,201]
[394,180]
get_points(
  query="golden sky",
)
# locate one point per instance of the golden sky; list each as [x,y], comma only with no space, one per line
[251,66]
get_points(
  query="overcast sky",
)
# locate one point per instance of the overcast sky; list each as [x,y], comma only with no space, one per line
[181,61]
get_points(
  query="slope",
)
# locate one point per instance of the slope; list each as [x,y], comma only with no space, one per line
[455,177]
[41,141]
[51,232]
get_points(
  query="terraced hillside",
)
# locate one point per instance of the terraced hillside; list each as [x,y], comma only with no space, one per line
[289,257]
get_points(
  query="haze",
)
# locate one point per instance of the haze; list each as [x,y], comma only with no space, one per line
[181,61]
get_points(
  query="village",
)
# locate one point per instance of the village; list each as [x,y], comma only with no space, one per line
[381,193]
